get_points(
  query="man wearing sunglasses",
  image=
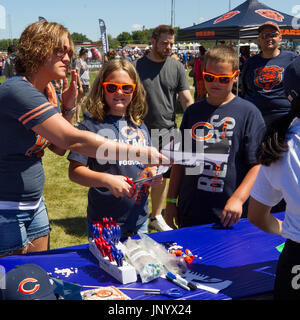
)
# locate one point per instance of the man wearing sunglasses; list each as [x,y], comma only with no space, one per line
[164,80]
[262,74]
[262,78]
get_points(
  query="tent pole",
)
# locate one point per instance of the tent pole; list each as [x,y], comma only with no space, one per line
[237,82]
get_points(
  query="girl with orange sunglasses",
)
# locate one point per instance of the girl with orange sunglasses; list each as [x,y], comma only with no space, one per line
[117,106]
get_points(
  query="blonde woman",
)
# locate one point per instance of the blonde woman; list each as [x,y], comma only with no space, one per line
[31,120]
[118,106]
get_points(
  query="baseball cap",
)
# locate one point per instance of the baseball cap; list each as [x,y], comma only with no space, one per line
[291,79]
[269,24]
[27,282]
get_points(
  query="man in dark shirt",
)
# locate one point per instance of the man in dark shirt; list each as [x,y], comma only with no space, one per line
[263,74]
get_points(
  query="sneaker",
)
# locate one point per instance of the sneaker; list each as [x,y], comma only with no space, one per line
[158,223]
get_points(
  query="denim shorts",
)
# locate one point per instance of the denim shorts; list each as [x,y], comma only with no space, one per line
[19,227]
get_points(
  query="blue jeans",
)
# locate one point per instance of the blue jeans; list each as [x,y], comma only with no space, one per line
[19,227]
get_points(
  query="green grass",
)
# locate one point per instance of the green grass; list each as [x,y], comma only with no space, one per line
[66,201]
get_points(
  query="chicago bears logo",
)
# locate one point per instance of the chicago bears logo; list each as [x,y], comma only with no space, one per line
[268,76]
[227,16]
[33,289]
[203,126]
[132,133]
[38,148]
[270,14]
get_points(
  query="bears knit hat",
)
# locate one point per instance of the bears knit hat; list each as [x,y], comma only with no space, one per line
[269,24]
[291,79]
[27,282]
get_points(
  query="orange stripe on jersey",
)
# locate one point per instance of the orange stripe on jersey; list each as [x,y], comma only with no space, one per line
[37,114]
[33,110]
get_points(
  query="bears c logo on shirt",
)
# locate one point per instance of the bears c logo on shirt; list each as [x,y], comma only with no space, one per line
[204,126]
[270,14]
[227,16]
[267,77]
[132,133]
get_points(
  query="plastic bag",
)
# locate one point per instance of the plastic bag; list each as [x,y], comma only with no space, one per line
[145,263]
[176,265]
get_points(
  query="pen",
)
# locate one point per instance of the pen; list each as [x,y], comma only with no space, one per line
[181,285]
[182,281]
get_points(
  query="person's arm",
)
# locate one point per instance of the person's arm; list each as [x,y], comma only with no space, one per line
[171,213]
[259,215]
[243,79]
[61,133]
[185,98]
[78,67]
[69,95]
[84,176]
[234,206]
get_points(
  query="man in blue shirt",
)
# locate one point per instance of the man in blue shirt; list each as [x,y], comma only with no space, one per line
[263,74]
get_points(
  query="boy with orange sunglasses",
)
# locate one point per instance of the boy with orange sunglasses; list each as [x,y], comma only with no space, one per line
[228,130]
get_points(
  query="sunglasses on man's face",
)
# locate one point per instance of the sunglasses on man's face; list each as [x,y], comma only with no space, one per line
[267,35]
[112,87]
[222,79]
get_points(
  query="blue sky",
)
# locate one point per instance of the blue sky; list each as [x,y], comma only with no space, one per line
[119,15]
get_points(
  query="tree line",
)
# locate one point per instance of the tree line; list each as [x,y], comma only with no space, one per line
[135,37]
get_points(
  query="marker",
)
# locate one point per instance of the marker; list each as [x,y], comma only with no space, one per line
[181,285]
[183,281]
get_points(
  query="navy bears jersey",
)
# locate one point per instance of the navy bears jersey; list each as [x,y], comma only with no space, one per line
[22,107]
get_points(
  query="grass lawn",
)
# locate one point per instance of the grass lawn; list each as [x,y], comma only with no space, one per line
[66,201]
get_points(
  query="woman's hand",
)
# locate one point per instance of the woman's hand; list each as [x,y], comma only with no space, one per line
[69,93]
[157,180]
[149,156]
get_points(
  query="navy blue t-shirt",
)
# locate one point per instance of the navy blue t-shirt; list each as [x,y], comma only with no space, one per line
[229,135]
[262,81]
[101,202]
[22,107]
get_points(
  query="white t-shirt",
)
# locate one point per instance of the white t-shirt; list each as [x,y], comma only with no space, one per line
[84,72]
[282,180]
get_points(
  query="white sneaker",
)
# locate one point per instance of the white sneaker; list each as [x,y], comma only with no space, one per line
[158,223]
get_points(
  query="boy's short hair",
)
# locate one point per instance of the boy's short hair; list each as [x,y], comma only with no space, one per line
[222,53]
[163,28]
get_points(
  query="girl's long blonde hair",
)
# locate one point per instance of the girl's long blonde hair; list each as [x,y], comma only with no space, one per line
[95,101]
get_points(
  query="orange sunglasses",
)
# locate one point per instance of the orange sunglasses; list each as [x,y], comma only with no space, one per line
[222,79]
[113,87]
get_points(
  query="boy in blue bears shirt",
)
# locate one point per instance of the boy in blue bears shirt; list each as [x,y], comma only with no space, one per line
[230,131]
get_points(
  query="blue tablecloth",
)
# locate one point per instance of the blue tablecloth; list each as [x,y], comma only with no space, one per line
[241,262]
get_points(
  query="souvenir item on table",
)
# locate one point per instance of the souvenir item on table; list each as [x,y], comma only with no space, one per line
[104,293]
[105,245]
